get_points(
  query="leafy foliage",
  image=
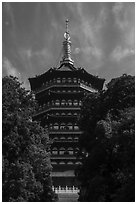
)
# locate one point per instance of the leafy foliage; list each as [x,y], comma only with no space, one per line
[107,145]
[25,147]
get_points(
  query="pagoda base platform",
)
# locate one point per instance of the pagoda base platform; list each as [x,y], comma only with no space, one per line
[65,178]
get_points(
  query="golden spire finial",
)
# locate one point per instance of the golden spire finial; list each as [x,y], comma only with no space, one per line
[66,59]
[66,34]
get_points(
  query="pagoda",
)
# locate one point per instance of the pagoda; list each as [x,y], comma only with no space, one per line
[59,93]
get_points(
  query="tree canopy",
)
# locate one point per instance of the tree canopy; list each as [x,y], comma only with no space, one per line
[25,147]
[107,173]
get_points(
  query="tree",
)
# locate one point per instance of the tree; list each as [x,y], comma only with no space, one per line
[25,147]
[107,144]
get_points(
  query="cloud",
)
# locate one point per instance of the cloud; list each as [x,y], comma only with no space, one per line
[102,36]
[87,33]
[124,50]
[42,53]
[10,22]
[119,53]
[28,53]
[124,13]
[9,12]
[92,51]
[34,60]
[8,68]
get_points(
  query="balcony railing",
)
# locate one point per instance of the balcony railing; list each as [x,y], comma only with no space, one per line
[55,84]
[62,157]
[65,132]
[45,108]
[66,189]
[64,116]
[65,129]
[66,141]
[66,84]
[67,92]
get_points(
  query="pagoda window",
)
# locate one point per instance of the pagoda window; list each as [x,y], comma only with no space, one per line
[56,126]
[70,126]
[61,150]
[69,80]
[75,80]
[54,163]
[63,102]
[76,150]
[70,138]
[69,91]
[63,114]
[55,138]
[62,163]
[70,163]
[50,126]
[52,102]
[70,102]
[69,114]
[55,151]
[75,103]
[62,126]
[75,114]
[76,127]
[70,150]
[80,103]
[57,103]
[63,80]
[62,138]
[57,114]
[58,80]
[77,163]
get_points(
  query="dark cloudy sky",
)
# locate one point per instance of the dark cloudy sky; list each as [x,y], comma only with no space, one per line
[102,35]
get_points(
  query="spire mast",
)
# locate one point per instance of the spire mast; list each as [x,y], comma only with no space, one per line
[67,26]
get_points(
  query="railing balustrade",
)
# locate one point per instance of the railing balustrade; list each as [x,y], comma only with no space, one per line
[65,84]
[65,189]
[62,84]
[47,107]
[65,129]
[65,132]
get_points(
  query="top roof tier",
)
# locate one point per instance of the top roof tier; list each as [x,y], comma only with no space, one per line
[66,69]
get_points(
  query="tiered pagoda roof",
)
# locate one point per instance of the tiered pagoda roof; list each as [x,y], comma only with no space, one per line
[59,92]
